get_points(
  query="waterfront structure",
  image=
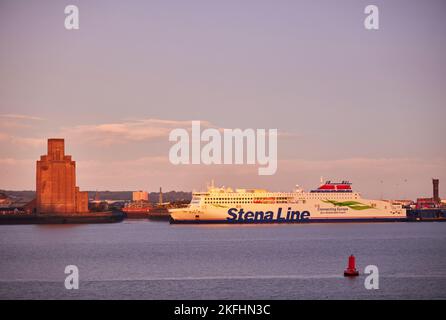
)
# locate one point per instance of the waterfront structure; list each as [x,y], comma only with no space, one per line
[330,202]
[56,189]
[140,196]
[436,190]
[435,201]
[139,207]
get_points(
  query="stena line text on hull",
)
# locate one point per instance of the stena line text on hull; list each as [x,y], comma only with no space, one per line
[236,215]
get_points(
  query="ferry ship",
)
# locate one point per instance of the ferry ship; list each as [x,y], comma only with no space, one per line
[330,202]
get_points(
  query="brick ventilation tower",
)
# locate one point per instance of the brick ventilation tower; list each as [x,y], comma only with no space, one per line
[56,182]
[436,190]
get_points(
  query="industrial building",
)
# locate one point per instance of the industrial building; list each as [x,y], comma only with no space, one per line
[140,196]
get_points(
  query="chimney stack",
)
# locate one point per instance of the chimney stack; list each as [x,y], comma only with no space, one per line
[160,200]
[436,183]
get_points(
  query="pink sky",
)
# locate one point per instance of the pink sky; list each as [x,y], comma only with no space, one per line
[368,106]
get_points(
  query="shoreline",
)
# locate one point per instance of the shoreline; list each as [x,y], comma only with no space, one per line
[77,218]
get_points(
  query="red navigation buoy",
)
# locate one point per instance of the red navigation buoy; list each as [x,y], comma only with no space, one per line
[351,268]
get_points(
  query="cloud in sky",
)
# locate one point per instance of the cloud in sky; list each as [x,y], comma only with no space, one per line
[137,131]
[19,130]
[18,121]
[125,132]
[21,117]
[32,142]
[14,127]
[107,134]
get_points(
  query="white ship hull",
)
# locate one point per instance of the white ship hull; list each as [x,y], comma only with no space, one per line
[300,207]
[278,214]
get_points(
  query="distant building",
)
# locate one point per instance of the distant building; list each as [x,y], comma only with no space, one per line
[435,201]
[140,196]
[436,190]
[426,203]
[56,182]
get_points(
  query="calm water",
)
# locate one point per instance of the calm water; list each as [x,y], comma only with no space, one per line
[155,260]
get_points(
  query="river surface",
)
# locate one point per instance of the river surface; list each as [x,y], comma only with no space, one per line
[143,259]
